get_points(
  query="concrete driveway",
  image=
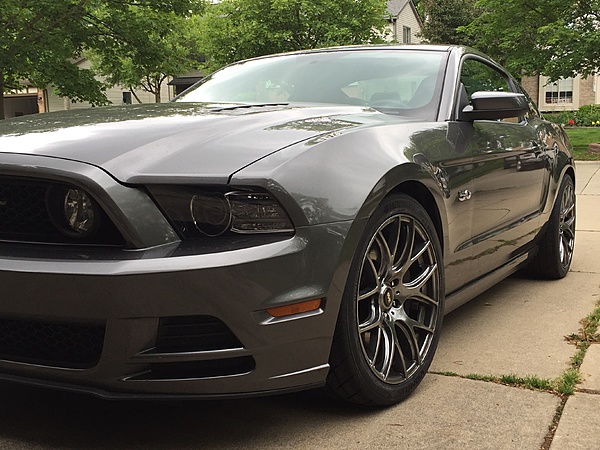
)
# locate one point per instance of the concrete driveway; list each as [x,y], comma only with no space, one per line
[518,328]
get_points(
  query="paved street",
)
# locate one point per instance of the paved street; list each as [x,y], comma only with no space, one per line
[516,328]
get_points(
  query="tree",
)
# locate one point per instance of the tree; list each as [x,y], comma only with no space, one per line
[442,20]
[169,48]
[552,37]
[40,38]
[239,29]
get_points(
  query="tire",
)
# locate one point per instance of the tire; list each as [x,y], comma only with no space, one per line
[392,309]
[555,254]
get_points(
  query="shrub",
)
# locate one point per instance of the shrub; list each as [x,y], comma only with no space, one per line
[563,117]
[587,116]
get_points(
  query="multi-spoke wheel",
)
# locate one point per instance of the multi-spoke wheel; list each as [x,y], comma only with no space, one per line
[566,225]
[391,315]
[556,247]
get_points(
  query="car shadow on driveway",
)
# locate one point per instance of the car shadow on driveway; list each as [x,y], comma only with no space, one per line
[33,418]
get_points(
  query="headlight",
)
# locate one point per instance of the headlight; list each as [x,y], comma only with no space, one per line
[207,213]
[257,213]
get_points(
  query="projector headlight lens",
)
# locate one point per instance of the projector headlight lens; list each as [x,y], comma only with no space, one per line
[211,213]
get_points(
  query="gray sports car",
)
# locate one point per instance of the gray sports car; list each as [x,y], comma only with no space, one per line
[291,221]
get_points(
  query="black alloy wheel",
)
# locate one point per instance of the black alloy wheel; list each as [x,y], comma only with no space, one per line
[391,316]
[557,245]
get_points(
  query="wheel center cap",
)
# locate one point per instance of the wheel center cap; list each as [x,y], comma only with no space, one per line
[387,298]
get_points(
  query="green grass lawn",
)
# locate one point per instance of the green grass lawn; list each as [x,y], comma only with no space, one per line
[581,138]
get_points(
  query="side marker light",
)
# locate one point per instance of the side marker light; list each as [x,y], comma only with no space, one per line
[296,308]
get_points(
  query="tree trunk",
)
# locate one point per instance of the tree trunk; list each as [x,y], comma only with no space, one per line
[156,86]
[135,95]
[1,96]
[158,81]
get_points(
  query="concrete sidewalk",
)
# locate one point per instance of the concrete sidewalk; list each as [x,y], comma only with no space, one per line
[519,327]
[579,425]
[516,328]
[526,337]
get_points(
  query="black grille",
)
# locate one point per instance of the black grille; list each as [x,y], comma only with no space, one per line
[194,333]
[68,345]
[25,216]
[23,208]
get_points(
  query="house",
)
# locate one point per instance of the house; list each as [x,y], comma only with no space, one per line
[182,82]
[30,100]
[117,95]
[567,94]
[405,23]
[22,101]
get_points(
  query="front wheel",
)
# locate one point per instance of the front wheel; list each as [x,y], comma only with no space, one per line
[391,314]
[558,242]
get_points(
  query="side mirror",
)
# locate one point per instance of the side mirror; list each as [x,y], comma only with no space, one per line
[494,105]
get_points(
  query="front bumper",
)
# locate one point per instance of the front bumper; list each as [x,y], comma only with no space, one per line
[132,300]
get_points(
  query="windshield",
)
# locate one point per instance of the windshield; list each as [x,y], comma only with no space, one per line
[405,82]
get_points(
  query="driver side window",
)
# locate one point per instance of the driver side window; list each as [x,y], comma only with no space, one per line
[477,76]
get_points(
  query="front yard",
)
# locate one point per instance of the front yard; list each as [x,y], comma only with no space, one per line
[581,138]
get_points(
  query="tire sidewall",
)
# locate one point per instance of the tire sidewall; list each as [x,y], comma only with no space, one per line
[555,226]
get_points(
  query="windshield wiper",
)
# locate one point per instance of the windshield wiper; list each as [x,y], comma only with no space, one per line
[247,106]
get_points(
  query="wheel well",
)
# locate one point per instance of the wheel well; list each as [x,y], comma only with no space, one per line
[421,194]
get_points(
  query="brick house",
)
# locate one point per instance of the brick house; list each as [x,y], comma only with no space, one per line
[563,95]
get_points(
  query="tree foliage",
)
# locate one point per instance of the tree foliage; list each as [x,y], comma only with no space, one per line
[40,38]
[240,29]
[551,37]
[169,47]
[443,19]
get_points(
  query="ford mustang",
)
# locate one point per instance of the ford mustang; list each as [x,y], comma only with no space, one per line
[291,221]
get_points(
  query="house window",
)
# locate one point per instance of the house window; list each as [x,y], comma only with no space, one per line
[126,98]
[406,34]
[560,91]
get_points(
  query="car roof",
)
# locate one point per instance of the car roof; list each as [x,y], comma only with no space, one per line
[416,47]
[345,48]
[413,47]
[458,49]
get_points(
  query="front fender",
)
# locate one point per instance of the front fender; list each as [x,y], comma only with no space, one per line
[345,175]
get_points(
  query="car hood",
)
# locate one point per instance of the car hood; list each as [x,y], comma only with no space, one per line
[176,141]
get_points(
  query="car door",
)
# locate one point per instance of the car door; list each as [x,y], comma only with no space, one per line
[509,168]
